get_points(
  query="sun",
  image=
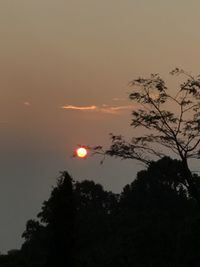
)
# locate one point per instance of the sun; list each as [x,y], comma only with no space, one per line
[81,152]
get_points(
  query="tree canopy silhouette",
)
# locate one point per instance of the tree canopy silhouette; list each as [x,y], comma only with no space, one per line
[169,122]
[49,241]
[72,225]
[152,222]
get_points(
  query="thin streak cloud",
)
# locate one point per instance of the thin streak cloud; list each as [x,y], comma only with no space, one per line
[81,108]
[104,108]
[115,109]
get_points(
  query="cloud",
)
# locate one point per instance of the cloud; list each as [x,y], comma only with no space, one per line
[27,104]
[103,108]
[81,108]
[115,109]
[119,99]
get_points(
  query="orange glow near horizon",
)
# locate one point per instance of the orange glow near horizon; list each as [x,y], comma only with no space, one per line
[81,152]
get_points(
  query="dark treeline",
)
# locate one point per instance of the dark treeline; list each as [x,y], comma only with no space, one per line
[153,222]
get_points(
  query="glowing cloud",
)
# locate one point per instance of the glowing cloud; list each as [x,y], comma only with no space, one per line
[81,108]
[115,109]
[104,108]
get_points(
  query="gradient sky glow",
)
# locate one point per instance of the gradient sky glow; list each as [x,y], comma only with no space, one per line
[65,67]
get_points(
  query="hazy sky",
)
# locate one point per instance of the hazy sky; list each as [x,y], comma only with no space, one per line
[59,55]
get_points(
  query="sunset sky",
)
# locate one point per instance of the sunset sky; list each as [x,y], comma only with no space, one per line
[65,67]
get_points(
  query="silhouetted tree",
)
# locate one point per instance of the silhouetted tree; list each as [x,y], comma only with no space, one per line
[168,120]
[34,248]
[95,207]
[153,222]
[13,258]
[154,213]
[50,241]
[58,214]
[74,224]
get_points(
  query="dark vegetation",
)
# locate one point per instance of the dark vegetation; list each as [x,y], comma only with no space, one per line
[169,121]
[153,222]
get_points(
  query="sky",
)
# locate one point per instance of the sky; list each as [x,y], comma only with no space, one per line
[65,68]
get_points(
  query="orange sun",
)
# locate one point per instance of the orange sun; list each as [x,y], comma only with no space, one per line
[81,152]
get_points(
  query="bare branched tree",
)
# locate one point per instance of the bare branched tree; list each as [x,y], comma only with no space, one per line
[170,122]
